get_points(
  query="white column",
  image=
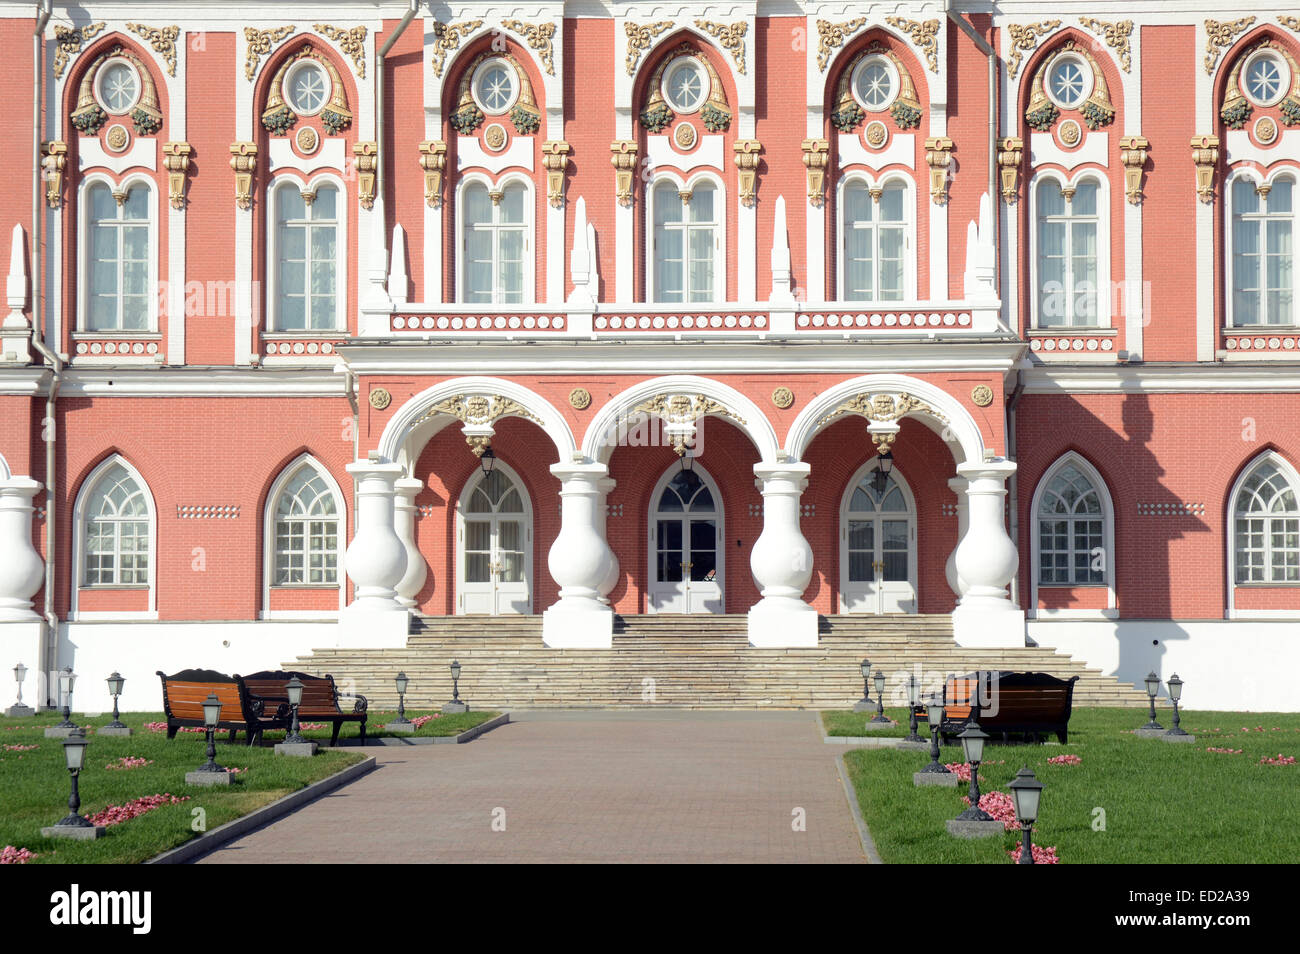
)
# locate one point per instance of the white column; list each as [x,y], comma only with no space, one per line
[22,570]
[605,485]
[581,562]
[375,562]
[404,514]
[987,559]
[781,561]
[958,486]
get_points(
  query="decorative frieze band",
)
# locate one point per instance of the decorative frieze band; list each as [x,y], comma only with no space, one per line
[207,511]
[1179,509]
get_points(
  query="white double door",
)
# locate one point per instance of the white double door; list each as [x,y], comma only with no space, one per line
[686,544]
[494,545]
[878,546]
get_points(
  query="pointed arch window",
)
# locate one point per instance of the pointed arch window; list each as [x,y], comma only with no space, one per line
[1266,526]
[116,527]
[306,531]
[1072,530]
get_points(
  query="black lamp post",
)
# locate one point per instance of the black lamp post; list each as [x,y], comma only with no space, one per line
[402,682]
[972,743]
[294,689]
[487,461]
[880,479]
[913,700]
[934,712]
[864,704]
[879,717]
[115,683]
[1175,693]
[1153,689]
[1026,790]
[455,681]
[67,679]
[211,719]
[74,753]
[688,461]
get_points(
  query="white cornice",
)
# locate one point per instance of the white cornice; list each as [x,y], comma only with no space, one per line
[205,382]
[1163,378]
[23,381]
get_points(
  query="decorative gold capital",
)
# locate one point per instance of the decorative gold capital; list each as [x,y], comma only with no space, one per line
[1219,35]
[366,159]
[816,153]
[54,159]
[831,36]
[539,36]
[1205,153]
[623,158]
[555,159]
[259,45]
[1133,156]
[747,156]
[730,36]
[176,160]
[639,39]
[938,155]
[433,160]
[243,159]
[162,39]
[68,43]
[352,42]
[1010,152]
[924,34]
[1024,39]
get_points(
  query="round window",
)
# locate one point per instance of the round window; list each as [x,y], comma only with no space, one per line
[1069,81]
[875,83]
[1265,78]
[118,86]
[495,86]
[306,88]
[686,84]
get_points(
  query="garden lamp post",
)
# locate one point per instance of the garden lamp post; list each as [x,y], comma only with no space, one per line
[934,712]
[67,679]
[456,704]
[864,704]
[115,683]
[1175,693]
[879,717]
[211,719]
[402,683]
[19,708]
[74,753]
[1026,790]
[972,744]
[1153,689]
[913,700]
[294,689]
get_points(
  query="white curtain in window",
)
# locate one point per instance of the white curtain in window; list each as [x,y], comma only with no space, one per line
[495,243]
[306,532]
[685,243]
[875,243]
[116,531]
[1263,253]
[118,299]
[1067,234]
[307,270]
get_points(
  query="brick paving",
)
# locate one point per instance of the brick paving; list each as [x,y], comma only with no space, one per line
[584,787]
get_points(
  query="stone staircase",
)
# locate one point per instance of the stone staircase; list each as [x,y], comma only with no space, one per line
[685,662]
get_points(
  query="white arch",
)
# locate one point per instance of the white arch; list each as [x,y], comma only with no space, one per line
[858,43]
[79,541]
[5,472]
[451,71]
[1269,456]
[1050,44]
[720,532]
[1074,459]
[742,84]
[392,443]
[959,431]
[752,421]
[268,535]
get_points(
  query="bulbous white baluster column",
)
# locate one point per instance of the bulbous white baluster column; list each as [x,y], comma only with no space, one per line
[958,486]
[605,485]
[781,561]
[21,570]
[375,561]
[581,562]
[404,515]
[987,559]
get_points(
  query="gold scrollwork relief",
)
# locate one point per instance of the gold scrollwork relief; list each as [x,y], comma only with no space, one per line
[1219,35]
[1116,36]
[539,36]
[831,36]
[1024,39]
[162,39]
[730,36]
[68,43]
[639,38]
[882,408]
[446,38]
[260,43]
[352,42]
[924,34]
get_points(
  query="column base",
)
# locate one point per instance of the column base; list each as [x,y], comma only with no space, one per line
[782,624]
[567,627]
[988,628]
[360,627]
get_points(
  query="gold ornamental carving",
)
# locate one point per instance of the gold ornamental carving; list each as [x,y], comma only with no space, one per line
[1116,36]
[539,36]
[433,160]
[679,412]
[623,158]
[1133,157]
[1266,130]
[479,409]
[938,156]
[176,160]
[1205,153]
[1291,23]
[580,399]
[924,34]
[380,398]
[639,39]
[446,38]
[147,114]
[816,153]
[831,36]
[1219,35]
[68,43]
[366,160]
[352,42]
[243,159]
[162,39]
[783,398]
[1024,39]
[982,395]
[684,135]
[730,36]
[882,408]
[260,43]
[54,159]
[747,155]
[1010,152]
[555,159]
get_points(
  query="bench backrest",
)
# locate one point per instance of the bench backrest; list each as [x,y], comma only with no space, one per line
[185,692]
[1032,697]
[319,696]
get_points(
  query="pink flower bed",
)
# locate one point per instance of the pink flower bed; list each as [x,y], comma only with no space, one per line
[420,721]
[1213,748]
[1064,760]
[1280,760]
[1000,806]
[128,762]
[162,727]
[21,748]
[1042,856]
[962,769]
[116,814]
[15,856]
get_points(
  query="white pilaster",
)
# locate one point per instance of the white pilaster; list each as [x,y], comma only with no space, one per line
[781,561]
[987,559]
[375,562]
[581,562]
[16,331]
[22,570]
[746,252]
[404,514]
[958,486]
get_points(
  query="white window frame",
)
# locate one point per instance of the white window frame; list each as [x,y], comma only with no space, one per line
[79,522]
[83,252]
[1229,263]
[909,236]
[530,234]
[1105,293]
[268,542]
[1230,568]
[341,244]
[719,235]
[1073,459]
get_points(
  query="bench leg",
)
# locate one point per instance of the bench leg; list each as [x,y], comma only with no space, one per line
[1064,736]
[171,731]
[363,732]
[231,740]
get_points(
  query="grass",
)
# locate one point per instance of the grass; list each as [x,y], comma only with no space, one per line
[442,724]
[843,722]
[1160,803]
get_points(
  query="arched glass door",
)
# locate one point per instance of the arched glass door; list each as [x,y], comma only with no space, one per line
[878,547]
[495,542]
[686,553]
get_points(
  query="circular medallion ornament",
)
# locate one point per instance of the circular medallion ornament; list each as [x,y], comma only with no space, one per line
[783,398]
[684,136]
[1265,130]
[982,395]
[1071,134]
[580,398]
[494,137]
[380,398]
[307,140]
[876,134]
[117,138]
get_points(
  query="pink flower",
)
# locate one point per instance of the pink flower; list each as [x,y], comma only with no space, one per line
[1212,748]
[128,762]
[1064,760]
[15,856]
[20,748]
[1000,806]
[1280,760]
[1042,856]
[116,814]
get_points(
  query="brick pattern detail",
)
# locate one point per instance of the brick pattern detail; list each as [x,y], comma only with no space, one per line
[207,511]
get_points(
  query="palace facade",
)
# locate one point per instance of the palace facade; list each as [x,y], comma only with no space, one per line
[325,316]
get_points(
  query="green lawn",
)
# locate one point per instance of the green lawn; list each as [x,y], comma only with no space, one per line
[844,722]
[1162,803]
[442,724]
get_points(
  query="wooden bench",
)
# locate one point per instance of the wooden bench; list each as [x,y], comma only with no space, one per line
[1029,703]
[241,710]
[320,699]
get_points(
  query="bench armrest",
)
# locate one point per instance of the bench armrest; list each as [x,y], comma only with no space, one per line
[362,704]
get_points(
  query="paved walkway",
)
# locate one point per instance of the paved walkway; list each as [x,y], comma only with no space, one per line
[584,787]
